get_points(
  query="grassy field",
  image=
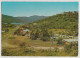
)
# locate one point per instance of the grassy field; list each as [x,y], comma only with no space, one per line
[15,45]
[57,31]
[6,35]
[20,39]
[40,52]
[7,40]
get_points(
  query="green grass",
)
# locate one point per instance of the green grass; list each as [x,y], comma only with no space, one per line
[32,52]
[14,45]
[11,38]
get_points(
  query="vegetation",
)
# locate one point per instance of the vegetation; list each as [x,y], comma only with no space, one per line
[60,41]
[10,19]
[41,31]
[41,52]
[69,48]
[67,20]
[11,38]
[6,27]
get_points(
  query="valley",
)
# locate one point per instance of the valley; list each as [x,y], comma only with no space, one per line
[44,37]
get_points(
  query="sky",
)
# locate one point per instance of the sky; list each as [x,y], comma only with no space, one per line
[37,8]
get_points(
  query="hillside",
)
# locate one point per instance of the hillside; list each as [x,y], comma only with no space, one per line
[31,18]
[65,20]
[7,19]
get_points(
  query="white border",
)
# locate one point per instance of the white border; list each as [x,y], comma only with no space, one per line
[41,1]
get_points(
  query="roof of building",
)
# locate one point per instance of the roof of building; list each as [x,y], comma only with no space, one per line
[26,30]
[71,40]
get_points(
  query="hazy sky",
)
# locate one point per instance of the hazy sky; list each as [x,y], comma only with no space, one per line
[37,8]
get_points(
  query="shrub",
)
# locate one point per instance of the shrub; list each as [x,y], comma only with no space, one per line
[33,37]
[11,38]
[29,51]
[6,30]
[60,41]
[5,52]
[68,48]
[22,45]
[45,38]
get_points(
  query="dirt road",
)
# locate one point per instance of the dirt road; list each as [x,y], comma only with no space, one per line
[45,47]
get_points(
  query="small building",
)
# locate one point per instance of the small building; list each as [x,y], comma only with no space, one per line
[22,33]
[71,37]
[68,41]
[54,37]
[27,31]
[63,36]
[66,36]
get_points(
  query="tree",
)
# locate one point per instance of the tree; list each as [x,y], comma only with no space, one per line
[59,41]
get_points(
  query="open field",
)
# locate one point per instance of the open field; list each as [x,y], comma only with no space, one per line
[20,39]
[15,45]
[37,52]
[7,42]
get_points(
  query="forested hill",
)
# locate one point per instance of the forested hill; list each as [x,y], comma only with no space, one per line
[10,19]
[31,18]
[66,20]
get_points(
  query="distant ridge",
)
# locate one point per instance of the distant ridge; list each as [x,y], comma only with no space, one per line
[7,19]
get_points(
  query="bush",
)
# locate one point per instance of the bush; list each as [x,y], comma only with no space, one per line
[60,42]
[6,30]
[5,52]
[29,51]
[11,38]
[68,48]
[45,38]
[23,44]
[33,37]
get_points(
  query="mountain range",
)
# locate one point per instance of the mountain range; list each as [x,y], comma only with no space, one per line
[11,19]
[31,18]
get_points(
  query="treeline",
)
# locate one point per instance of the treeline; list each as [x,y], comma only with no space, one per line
[6,27]
[66,20]
[9,19]
[41,34]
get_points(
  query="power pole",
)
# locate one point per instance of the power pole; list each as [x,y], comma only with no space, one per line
[50,44]
[51,39]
